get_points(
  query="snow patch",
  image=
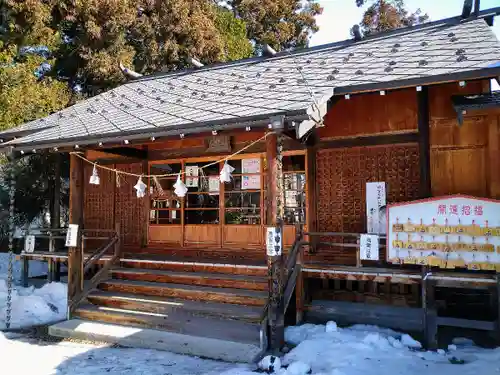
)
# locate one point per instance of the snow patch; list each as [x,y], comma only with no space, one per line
[32,306]
[410,342]
[298,368]
[331,327]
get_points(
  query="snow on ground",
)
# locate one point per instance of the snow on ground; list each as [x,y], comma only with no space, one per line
[358,350]
[36,268]
[32,306]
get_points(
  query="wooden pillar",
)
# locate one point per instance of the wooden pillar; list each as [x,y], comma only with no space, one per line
[55,218]
[497,308]
[424,142]
[300,284]
[75,254]
[312,186]
[494,157]
[275,263]
[147,203]
[429,310]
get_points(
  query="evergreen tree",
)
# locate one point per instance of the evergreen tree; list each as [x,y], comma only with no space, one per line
[383,15]
[283,24]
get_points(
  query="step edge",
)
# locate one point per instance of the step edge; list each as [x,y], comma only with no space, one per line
[150,284]
[233,351]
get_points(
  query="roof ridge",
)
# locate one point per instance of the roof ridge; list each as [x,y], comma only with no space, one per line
[450,21]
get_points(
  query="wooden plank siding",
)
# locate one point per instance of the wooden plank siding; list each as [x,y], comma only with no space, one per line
[461,156]
[342,173]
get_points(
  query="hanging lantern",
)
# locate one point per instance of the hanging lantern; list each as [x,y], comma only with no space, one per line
[225,173]
[94,179]
[180,187]
[118,182]
[141,188]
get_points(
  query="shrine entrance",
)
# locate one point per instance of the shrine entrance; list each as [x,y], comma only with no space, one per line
[217,215]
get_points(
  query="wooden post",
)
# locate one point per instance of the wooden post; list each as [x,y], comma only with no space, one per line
[497,307]
[300,284]
[311,202]
[55,219]
[75,254]
[51,263]
[429,309]
[26,271]
[424,142]
[494,156]
[275,263]
[118,243]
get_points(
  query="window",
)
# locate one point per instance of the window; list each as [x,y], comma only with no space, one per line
[243,195]
[165,205]
[202,199]
[207,200]
[294,177]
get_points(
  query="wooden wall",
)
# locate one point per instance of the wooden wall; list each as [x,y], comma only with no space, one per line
[106,204]
[371,114]
[464,159]
[342,173]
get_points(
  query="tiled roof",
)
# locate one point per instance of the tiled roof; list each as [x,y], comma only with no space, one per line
[255,89]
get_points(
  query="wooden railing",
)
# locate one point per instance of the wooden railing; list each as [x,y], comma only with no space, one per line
[314,242]
[293,266]
[83,287]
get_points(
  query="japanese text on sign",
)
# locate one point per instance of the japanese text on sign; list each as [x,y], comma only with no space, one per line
[369,247]
[460,210]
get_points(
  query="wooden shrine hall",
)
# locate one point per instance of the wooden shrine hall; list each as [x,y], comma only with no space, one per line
[220,267]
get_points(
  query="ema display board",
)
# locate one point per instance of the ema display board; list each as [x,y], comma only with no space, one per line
[448,232]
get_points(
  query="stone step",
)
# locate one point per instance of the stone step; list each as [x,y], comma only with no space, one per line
[182,343]
[192,278]
[161,305]
[188,292]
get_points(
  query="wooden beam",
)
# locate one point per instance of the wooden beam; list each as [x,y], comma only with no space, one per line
[424,142]
[75,254]
[128,152]
[372,140]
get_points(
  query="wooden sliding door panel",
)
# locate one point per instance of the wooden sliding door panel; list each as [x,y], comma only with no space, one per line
[202,235]
[242,236]
[169,234]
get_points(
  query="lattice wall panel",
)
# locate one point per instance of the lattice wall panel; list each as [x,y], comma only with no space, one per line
[342,175]
[130,210]
[98,212]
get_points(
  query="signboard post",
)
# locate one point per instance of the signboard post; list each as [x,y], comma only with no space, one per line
[29,243]
[375,201]
[72,235]
[273,241]
[447,232]
[369,247]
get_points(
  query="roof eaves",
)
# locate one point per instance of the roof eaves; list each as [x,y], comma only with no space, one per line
[420,81]
[140,135]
